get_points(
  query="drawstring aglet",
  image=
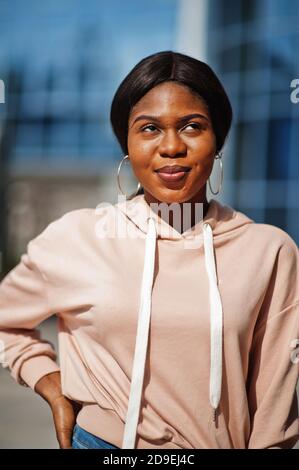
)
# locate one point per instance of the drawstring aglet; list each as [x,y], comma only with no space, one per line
[214,414]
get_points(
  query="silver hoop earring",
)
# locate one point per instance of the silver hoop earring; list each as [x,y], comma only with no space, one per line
[218,157]
[118,183]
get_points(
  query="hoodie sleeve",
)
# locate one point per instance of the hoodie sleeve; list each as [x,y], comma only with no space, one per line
[24,304]
[274,360]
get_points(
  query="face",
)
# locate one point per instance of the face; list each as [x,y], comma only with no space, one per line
[162,132]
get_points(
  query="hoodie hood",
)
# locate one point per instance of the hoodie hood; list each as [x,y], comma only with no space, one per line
[219,220]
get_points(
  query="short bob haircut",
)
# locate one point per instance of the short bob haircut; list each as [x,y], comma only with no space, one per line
[169,66]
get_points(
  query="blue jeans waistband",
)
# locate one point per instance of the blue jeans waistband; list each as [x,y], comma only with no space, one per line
[82,439]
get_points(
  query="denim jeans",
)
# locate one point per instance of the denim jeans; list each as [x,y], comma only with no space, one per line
[85,440]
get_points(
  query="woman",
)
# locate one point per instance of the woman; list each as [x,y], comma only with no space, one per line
[177,315]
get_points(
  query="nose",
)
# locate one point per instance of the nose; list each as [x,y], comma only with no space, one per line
[171,145]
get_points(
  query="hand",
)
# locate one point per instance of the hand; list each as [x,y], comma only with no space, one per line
[64,410]
[64,414]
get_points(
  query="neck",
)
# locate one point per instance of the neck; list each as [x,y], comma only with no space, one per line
[191,211]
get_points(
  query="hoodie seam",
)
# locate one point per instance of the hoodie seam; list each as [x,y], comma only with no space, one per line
[274,317]
[45,282]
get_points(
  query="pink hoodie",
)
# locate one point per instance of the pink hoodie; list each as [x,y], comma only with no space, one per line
[168,340]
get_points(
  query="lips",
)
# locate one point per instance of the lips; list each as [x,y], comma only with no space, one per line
[170,169]
[173,173]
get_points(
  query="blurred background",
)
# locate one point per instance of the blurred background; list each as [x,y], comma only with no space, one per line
[61,62]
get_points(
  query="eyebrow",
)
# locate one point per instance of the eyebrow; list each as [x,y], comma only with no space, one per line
[180,120]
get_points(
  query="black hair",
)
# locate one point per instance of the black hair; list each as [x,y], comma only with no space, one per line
[176,67]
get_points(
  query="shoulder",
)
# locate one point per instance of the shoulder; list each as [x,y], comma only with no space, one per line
[272,236]
[270,240]
[78,219]
[66,237]
[74,226]
[66,224]
[257,235]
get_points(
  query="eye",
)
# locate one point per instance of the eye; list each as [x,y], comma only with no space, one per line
[146,127]
[197,125]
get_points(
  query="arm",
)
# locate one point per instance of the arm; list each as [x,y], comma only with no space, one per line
[273,378]
[23,306]
[273,369]
[24,303]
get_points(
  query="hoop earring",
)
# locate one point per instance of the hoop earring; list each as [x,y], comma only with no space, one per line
[218,157]
[118,183]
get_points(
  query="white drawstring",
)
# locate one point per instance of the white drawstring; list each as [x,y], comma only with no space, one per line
[139,361]
[216,321]
[141,338]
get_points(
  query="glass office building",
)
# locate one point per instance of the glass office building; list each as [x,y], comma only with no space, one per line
[62,62]
[254,46]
